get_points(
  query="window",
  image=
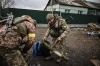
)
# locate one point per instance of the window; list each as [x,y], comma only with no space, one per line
[97,13]
[80,12]
[54,9]
[92,12]
[67,10]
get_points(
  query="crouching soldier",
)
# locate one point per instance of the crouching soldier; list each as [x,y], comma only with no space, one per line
[22,32]
[57,30]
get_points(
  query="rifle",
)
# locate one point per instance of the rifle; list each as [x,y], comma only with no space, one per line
[9,21]
[3,20]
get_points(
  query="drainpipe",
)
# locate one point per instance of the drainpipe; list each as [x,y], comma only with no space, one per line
[59,10]
[52,6]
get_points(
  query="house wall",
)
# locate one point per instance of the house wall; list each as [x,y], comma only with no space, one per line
[94,11]
[55,8]
[72,9]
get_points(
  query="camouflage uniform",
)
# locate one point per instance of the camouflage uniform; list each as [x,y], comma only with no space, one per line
[12,57]
[9,45]
[57,30]
[9,49]
[25,26]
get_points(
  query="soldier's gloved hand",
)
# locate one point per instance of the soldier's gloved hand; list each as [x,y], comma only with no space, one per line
[59,38]
[44,38]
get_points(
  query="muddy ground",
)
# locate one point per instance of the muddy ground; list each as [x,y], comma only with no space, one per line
[80,46]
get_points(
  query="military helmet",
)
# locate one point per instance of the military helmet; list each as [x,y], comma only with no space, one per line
[49,16]
[29,18]
[26,17]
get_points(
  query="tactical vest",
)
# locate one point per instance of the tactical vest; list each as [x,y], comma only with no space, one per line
[56,30]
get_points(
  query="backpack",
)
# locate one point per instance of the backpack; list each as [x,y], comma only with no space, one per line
[40,49]
[36,49]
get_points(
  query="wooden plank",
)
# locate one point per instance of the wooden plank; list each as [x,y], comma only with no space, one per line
[96,62]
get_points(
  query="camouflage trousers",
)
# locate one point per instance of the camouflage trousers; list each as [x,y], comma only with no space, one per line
[12,57]
[60,45]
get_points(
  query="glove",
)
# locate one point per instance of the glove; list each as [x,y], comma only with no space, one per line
[44,38]
[59,38]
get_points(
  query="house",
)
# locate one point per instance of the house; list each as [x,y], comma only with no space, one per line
[73,11]
[74,6]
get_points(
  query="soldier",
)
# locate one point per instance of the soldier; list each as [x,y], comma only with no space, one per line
[57,29]
[26,27]
[23,32]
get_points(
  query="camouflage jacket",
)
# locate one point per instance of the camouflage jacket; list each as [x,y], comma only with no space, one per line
[10,40]
[16,35]
[58,30]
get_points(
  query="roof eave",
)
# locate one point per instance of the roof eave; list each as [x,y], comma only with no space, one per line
[78,6]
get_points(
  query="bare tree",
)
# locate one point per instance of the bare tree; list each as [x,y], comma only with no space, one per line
[0,8]
[6,3]
[1,3]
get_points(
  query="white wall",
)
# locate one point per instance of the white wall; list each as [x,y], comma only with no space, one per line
[72,8]
[54,8]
